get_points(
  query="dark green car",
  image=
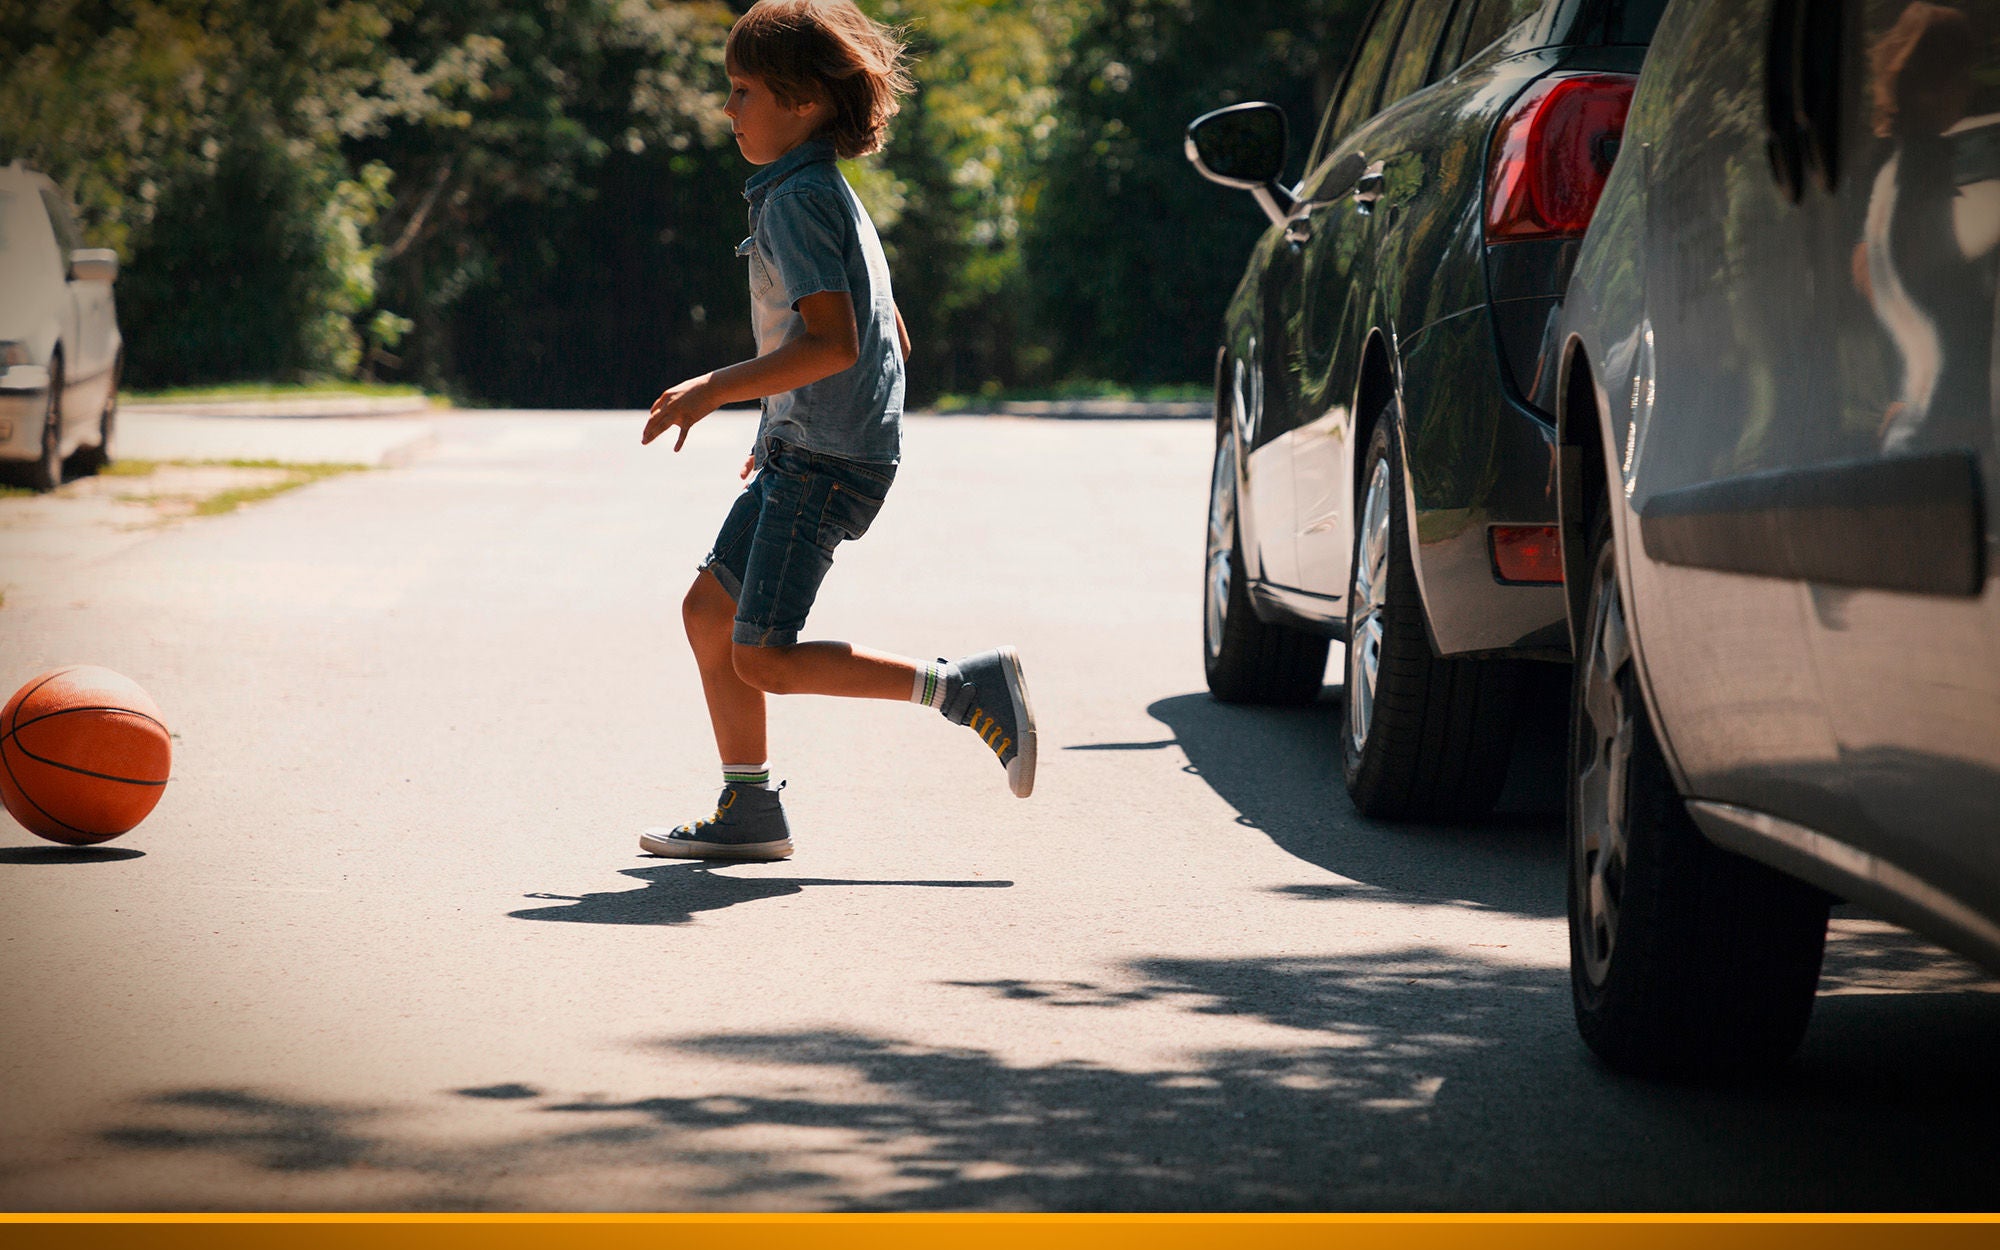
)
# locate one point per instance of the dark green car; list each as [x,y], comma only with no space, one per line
[1383,471]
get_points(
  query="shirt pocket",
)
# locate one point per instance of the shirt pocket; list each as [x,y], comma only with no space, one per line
[760,274]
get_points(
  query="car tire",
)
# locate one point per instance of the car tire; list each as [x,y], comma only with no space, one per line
[1247,660]
[1685,959]
[97,459]
[1425,737]
[46,473]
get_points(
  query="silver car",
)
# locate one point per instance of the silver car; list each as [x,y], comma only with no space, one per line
[60,349]
[1778,461]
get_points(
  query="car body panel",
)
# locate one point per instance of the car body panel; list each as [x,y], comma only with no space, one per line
[1771,368]
[1357,305]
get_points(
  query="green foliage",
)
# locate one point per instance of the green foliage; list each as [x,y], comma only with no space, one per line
[536,202]
[1133,257]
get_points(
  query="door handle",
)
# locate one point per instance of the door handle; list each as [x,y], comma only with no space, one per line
[1368,188]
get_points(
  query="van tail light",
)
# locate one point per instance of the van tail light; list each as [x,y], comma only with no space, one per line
[1552,154]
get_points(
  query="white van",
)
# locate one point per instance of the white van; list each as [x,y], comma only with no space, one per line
[60,349]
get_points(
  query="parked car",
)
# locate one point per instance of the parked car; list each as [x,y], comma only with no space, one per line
[60,349]
[1382,474]
[1777,399]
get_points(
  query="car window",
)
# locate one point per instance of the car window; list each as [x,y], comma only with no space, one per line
[1364,76]
[1410,68]
[68,238]
[1632,21]
[1492,19]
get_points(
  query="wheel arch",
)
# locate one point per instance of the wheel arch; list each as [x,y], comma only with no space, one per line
[1581,485]
[1374,389]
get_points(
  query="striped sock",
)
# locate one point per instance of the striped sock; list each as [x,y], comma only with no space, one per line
[929,687]
[747,775]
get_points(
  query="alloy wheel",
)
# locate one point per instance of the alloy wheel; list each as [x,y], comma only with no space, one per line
[1221,545]
[1369,599]
[1604,736]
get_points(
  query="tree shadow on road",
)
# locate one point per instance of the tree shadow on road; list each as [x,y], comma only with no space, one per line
[1280,769]
[675,893]
[1416,1079]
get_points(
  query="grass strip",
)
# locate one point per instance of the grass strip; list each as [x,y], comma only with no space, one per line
[272,390]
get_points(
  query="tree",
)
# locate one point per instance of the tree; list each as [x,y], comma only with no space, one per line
[1132,256]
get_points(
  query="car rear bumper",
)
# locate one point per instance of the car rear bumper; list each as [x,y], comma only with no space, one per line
[1475,457]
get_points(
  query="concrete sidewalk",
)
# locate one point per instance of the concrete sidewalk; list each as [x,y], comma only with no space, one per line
[147,432]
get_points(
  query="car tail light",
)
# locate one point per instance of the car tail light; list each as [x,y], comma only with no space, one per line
[1526,553]
[1552,154]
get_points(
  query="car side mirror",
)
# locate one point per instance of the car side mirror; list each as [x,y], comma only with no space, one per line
[93,264]
[1243,146]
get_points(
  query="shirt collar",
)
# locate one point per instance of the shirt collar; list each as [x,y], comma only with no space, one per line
[764,180]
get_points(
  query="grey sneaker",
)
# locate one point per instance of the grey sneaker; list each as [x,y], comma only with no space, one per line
[749,823]
[992,698]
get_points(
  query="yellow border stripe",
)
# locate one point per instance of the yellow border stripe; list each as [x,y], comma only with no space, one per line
[158,1231]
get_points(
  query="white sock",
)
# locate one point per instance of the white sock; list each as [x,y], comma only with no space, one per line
[747,774]
[929,687]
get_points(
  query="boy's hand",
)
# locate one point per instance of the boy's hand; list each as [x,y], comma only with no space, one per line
[682,406]
[749,463]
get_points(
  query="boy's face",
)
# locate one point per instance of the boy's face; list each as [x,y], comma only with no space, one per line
[766,129]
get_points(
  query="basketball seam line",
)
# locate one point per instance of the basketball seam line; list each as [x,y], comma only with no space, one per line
[129,781]
[20,724]
[29,693]
[30,799]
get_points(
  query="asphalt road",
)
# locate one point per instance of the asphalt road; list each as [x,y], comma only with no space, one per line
[387,942]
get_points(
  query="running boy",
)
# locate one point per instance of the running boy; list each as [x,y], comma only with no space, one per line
[810,80]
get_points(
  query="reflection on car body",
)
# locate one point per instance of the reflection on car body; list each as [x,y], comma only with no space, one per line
[1776,408]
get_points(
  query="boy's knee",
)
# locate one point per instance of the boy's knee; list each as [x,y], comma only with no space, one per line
[706,610]
[767,668]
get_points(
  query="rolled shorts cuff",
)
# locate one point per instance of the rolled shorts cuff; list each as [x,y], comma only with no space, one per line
[712,563]
[751,634]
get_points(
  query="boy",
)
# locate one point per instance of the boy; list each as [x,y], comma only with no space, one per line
[810,80]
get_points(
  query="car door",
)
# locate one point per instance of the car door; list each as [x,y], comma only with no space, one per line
[1386,241]
[1333,234]
[1904,619]
[1727,389]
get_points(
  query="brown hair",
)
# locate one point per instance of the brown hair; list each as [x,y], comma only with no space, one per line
[1931,47]
[829,51]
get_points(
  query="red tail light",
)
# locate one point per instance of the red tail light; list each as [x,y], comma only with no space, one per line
[1551,156]
[1526,553]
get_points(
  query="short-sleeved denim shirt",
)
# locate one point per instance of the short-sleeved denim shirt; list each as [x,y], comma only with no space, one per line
[809,233]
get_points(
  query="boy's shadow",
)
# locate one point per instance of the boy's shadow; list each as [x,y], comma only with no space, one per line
[675,892]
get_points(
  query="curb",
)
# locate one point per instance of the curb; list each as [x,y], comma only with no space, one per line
[312,406]
[1088,410]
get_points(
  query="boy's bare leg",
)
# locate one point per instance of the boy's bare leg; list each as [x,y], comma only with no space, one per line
[735,708]
[835,668]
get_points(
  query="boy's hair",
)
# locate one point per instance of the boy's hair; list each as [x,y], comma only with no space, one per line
[825,50]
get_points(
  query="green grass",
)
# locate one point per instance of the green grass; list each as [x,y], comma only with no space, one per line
[273,390]
[1079,389]
[298,475]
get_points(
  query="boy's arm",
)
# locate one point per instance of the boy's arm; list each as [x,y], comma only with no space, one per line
[902,332]
[831,343]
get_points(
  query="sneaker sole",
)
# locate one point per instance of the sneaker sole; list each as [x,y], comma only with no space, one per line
[686,848]
[1021,772]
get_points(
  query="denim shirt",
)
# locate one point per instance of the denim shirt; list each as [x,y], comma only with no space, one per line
[809,233]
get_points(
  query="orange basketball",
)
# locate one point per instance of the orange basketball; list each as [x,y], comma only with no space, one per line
[84,755]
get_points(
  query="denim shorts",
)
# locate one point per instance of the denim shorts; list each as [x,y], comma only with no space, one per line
[777,542]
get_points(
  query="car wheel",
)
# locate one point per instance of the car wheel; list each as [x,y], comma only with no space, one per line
[1425,737]
[1247,660]
[98,458]
[1685,959]
[47,472]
